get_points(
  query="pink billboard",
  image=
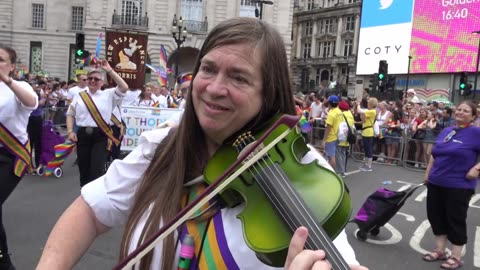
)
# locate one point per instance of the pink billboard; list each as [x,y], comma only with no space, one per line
[442,39]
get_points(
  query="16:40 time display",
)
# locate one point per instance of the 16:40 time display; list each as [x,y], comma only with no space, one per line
[456,14]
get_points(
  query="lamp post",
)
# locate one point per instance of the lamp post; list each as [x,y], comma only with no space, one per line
[261,2]
[476,67]
[408,76]
[179,34]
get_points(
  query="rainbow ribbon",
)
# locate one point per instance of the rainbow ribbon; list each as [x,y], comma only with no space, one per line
[156,104]
[61,153]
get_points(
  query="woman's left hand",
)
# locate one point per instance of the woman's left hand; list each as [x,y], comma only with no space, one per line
[472,173]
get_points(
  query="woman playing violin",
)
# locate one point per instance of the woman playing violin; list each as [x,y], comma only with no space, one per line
[239,83]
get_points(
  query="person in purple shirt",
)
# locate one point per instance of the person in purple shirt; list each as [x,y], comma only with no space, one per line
[451,178]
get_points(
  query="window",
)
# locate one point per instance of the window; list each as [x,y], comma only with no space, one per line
[306,50]
[77,18]
[131,11]
[349,23]
[352,1]
[37,15]
[329,3]
[327,26]
[35,56]
[192,10]
[326,48]
[247,8]
[317,77]
[310,4]
[308,28]
[348,47]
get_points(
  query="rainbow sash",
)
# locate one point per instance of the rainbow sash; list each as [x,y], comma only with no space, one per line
[97,117]
[22,152]
[215,252]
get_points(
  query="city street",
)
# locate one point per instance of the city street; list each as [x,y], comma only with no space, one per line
[32,210]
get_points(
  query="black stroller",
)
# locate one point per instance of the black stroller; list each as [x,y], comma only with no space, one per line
[379,208]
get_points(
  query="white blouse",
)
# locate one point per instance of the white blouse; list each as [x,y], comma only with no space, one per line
[105,101]
[111,198]
[13,114]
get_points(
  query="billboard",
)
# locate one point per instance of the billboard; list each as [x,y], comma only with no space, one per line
[437,34]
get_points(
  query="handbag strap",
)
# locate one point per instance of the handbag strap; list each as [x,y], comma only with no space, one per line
[346,121]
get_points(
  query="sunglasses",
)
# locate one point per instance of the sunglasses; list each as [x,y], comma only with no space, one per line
[94,79]
[84,80]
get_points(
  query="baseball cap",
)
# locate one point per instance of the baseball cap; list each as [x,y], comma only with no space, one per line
[343,105]
[333,99]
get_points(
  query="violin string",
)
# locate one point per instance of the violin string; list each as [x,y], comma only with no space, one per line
[290,222]
[295,201]
[315,229]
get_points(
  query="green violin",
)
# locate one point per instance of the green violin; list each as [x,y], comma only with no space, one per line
[281,194]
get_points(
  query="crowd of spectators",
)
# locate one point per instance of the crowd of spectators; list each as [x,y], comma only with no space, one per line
[404,130]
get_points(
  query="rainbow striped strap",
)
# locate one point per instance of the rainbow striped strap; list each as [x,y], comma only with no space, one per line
[97,117]
[22,152]
[215,252]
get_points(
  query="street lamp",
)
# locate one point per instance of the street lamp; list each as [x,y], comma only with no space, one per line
[179,34]
[476,67]
[261,2]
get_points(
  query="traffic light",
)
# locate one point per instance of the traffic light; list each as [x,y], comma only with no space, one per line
[382,75]
[390,86]
[80,52]
[463,81]
[373,82]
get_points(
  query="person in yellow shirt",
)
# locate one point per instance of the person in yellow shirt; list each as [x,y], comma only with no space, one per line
[368,119]
[341,153]
[330,137]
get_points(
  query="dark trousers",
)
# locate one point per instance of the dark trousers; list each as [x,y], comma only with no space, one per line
[447,212]
[115,152]
[92,154]
[7,184]
[34,130]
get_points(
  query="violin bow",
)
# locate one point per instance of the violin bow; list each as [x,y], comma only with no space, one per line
[220,184]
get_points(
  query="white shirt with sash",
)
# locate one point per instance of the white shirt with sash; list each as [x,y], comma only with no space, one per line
[105,101]
[13,114]
[111,198]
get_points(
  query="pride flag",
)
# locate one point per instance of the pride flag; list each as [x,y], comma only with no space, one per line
[61,153]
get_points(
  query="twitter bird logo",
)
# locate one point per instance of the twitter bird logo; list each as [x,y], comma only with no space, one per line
[386,12]
[384,4]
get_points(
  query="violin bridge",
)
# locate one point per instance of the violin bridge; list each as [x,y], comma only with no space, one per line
[243,143]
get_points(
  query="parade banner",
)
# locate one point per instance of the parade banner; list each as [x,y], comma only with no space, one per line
[126,53]
[140,119]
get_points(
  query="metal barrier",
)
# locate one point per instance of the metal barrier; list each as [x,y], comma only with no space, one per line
[390,150]
[57,115]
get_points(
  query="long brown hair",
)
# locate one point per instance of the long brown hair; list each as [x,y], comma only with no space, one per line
[183,154]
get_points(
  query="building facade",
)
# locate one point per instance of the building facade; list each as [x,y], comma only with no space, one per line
[325,41]
[43,31]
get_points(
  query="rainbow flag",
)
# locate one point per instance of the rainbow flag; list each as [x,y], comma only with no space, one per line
[156,104]
[61,153]
[305,127]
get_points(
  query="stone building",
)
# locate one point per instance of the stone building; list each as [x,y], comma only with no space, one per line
[43,31]
[325,41]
